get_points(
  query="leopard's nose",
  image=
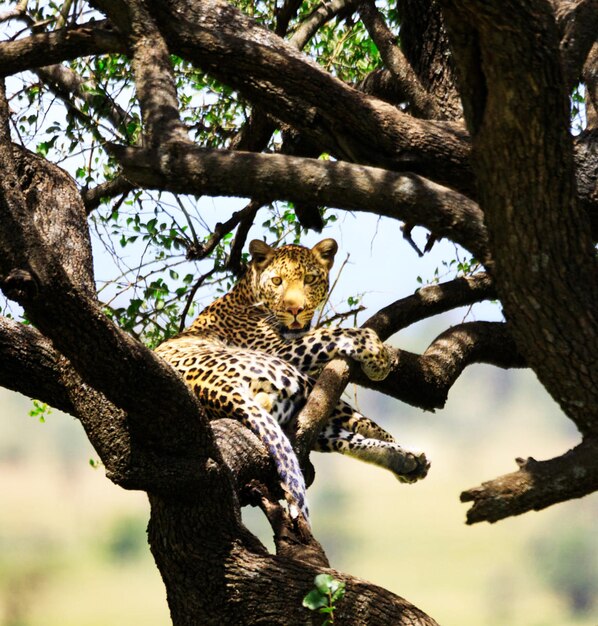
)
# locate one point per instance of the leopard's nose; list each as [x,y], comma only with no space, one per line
[294,310]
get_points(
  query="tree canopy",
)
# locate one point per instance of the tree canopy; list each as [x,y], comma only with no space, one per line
[476,121]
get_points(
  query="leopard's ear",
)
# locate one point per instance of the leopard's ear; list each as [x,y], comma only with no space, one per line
[325,251]
[261,253]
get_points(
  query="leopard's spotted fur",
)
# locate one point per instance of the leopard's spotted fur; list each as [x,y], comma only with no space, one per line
[250,354]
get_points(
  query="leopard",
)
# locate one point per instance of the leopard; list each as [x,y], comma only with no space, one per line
[253,355]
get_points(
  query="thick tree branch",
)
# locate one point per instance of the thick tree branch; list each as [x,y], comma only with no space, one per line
[422,381]
[92,198]
[425,44]
[43,278]
[60,45]
[431,300]
[276,78]
[284,15]
[536,485]
[538,231]
[586,162]
[382,84]
[425,380]
[184,169]
[318,17]
[254,577]
[17,12]
[154,78]
[578,24]
[29,365]
[590,77]
[257,131]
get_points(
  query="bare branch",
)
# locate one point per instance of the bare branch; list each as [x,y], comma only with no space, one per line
[17,12]
[245,224]
[66,83]
[64,44]
[536,485]
[317,18]
[284,15]
[92,198]
[186,169]
[325,395]
[431,300]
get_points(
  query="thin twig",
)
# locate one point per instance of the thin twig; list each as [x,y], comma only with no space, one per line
[200,281]
[19,12]
[344,315]
[338,275]
[236,250]
[324,13]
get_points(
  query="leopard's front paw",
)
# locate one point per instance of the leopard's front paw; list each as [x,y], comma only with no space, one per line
[413,467]
[376,360]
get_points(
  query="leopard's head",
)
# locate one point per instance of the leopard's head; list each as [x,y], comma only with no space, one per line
[291,281]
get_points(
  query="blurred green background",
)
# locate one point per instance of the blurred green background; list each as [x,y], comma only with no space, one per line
[73,546]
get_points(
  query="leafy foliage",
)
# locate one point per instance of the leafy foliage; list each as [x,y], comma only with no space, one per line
[40,410]
[327,591]
[156,250]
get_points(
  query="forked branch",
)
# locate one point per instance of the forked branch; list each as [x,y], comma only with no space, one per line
[422,103]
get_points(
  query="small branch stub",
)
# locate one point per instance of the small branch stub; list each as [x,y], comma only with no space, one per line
[20,286]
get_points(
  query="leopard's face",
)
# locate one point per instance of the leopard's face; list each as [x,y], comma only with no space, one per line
[291,281]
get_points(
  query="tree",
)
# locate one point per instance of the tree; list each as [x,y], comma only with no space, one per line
[463,128]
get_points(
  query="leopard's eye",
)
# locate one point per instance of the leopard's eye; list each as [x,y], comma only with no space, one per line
[308,279]
[276,280]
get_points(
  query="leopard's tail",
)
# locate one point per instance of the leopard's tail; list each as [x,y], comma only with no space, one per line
[274,438]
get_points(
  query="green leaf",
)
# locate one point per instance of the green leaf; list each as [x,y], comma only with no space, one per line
[339,592]
[315,600]
[323,582]
[40,410]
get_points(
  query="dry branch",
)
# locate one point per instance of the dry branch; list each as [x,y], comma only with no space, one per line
[536,485]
